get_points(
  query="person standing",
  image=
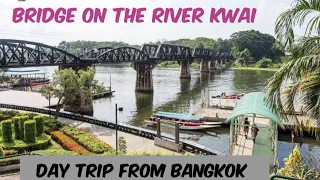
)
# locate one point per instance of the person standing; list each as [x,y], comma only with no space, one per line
[254,131]
[246,127]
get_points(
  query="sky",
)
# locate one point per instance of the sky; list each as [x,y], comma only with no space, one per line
[134,33]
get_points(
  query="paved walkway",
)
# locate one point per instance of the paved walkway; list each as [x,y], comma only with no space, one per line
[134,143]
[245,147]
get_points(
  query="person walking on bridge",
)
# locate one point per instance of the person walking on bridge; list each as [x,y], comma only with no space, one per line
[254,131]
[246,124]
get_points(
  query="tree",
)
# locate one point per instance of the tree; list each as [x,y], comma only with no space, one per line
[71,87]
[243,57]
[260,45]
[299,79]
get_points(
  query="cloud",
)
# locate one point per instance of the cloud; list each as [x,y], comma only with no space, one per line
[53,33]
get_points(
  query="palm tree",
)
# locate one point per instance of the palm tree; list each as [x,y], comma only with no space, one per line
[300,77]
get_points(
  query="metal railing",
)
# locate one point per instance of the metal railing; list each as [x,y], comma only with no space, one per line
[188,146]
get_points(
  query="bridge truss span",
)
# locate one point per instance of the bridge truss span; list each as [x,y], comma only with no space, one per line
[123,54]
[19,53]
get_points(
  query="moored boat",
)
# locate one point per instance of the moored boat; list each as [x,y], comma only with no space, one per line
[27,77]
[224,96]
[185,121]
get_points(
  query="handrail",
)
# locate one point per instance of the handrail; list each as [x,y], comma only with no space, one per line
[272,177]
[188,146]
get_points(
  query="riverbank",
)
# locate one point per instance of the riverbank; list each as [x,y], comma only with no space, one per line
[174,64]
[256,68]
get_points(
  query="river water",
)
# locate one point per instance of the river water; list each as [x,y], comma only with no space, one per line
[182,96]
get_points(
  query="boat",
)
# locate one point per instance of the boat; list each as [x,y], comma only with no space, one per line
[22,77]
[224,96]
[185,121]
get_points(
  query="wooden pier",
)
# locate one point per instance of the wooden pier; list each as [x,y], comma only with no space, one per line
[103,94]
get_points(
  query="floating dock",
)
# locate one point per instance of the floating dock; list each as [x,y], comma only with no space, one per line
[102,95]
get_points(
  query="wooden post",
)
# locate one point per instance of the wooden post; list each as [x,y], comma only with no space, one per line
[177,133]
[231,136]
[158,128]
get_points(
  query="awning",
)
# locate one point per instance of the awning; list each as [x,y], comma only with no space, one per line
[23,71]
[253,103]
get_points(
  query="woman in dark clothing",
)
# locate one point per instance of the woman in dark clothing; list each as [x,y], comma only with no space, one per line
[246,127]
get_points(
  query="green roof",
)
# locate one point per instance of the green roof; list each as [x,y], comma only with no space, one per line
[253,103]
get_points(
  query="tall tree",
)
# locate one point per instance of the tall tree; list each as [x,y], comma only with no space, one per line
[299,79]
[260,45]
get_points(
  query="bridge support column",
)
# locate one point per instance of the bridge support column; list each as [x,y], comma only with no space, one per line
[185,70]
[204,66]
[81,106]
[212,65]
[144,81]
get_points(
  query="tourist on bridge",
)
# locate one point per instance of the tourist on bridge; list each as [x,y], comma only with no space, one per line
[254,131]
[246,127]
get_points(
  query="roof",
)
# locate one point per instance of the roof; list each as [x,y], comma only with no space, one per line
[23,71]
[187,117]
[253,103]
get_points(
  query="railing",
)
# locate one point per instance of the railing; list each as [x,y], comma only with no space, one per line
[188,146]
[273,177]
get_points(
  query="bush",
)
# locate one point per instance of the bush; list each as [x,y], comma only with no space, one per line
[42,142]
[22,119]
[9,161]
[7,131]
[56,152]
[2,154]
[52,125]
[264,63]
[16,121]
[68,143]
[10,152]
[4,117]
[39,124]
[30,131]
[87,140]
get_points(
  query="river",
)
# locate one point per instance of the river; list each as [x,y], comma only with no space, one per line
[182,96]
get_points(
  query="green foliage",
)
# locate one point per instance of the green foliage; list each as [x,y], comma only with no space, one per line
[16,127]
[2,154]
[42,142]
[56,152]
[243,58]
[7,131]
[30,131]
[22,119]
[87,140]
[71,87]
[122,143]
[52,125]
[9,161]
[294,167]
[264,63]
[299,78]
[39,124]
[259,45]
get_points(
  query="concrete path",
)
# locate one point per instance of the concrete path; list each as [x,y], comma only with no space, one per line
[244,147]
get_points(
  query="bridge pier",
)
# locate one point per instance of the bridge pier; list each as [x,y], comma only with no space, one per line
[212,65]
[144,81]
[185,70]
[204,66]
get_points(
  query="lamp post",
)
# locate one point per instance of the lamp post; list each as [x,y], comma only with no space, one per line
[49,105]
[120,109]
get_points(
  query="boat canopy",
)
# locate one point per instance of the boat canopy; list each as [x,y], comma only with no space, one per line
[23,71]
[253,103]
[187,117]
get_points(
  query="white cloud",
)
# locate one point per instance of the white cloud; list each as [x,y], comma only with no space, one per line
[52,33]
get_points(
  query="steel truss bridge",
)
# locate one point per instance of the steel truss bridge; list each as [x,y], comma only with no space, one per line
[20,53]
